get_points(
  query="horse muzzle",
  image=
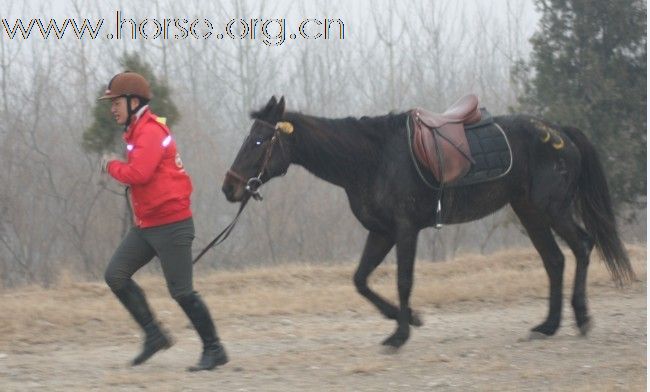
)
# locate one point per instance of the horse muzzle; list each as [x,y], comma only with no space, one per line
[234,187]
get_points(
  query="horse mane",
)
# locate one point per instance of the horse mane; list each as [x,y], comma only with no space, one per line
[348,140]
[370,127]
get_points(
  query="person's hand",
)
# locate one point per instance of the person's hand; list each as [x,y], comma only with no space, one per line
[106,158]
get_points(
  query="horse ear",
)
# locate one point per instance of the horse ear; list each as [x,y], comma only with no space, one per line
[263,113]
[270,105]
[279,109]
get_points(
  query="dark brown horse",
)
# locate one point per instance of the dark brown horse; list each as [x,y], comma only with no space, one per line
[369,157]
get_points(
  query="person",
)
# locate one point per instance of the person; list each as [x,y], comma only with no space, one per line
[160,191]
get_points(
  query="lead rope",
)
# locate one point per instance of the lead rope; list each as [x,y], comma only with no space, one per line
[221,237]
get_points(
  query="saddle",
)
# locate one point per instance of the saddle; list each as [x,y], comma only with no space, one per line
[439,140]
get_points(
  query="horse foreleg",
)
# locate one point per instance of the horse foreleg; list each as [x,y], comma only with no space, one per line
[375,251]
[406,245]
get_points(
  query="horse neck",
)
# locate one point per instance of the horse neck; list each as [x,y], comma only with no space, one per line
[332,149]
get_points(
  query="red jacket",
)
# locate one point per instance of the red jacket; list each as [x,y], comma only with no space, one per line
[160,187]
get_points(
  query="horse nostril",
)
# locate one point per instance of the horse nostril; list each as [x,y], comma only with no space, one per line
[227,189]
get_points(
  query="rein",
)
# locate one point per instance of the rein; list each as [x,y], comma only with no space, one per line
[221,237]
[252,188]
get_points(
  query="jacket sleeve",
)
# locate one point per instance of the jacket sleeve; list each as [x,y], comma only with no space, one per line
[144,157]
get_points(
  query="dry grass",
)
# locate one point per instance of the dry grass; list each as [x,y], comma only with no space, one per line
[34,314]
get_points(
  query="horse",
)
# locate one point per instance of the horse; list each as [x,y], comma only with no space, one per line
[549,189]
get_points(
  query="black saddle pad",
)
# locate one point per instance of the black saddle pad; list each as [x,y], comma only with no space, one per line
[490,150]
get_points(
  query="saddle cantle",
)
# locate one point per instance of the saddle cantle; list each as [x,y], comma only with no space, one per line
[439,140]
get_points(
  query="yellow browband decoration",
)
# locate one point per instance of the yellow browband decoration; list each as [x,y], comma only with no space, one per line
[284,127]
[558,145]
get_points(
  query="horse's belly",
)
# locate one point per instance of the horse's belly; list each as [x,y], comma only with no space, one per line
[460,205]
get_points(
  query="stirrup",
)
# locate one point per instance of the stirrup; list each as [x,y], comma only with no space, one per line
[438,224]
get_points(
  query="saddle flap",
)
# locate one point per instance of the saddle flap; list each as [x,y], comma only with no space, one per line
[444,151]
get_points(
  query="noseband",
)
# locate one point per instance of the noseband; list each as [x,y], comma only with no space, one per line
[254,183]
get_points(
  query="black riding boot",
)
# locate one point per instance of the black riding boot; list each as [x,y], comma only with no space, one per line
[156,339]
[213,352]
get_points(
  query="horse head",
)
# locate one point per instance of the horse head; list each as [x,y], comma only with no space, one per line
[263,155]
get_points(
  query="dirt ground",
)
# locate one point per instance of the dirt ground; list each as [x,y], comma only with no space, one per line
[464,344]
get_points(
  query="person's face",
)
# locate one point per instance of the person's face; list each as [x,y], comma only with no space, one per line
[118,109]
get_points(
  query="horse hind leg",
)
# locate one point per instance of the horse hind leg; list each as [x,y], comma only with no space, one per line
[540,234]
[581,245]
[375,251]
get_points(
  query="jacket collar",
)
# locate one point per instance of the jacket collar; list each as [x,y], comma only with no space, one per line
[138,117]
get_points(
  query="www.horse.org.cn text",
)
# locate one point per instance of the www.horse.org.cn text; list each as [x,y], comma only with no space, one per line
[271,31]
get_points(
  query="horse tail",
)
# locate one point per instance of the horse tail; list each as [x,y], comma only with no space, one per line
[595,205]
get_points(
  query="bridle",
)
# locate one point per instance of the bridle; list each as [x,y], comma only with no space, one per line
[252,184]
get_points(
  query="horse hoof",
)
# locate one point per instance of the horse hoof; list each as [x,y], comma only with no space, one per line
[415,320]
[394,341]
[585,328]
[543,331]
[536,335]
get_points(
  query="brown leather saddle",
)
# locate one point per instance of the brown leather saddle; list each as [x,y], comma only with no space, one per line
[439,140]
